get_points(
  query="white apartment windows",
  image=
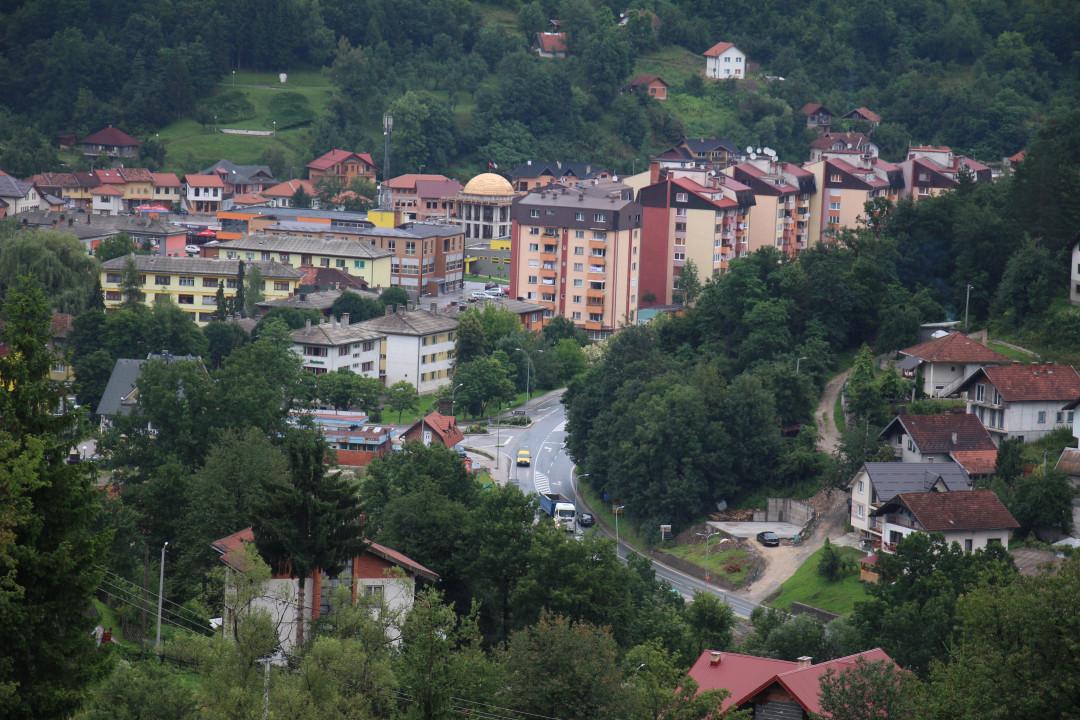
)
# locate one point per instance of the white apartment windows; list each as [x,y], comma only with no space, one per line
[534,247]
[579,234]
[579,267]
[600,217]
[997,397]
[680,212]
[860,511]
[534,230]
[599,235]
[1042,417]
[209,300]
[680,255]
[834,219]
[531,280]
[578,282]
[862,485]
[575,299]
[682,197]
[834,205]
[835,177]
[534,213]
[410,247]
[980,392]
[187,282]
[579,216]
[596,317]
[680,227]
[113,278]
[313,351]
[575,315]
[579,250]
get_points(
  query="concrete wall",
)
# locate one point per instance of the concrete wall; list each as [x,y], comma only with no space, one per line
[785,510]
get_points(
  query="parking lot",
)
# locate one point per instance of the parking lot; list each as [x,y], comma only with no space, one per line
[748,530]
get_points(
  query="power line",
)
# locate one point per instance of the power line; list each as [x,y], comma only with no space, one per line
[132,598]
[504,709]
[131,589]
[140,607]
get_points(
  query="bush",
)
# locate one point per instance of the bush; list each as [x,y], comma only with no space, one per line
[229,106]
[290,109]
[832,566]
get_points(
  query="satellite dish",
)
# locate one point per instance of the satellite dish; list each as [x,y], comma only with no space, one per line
[770,152]
[283,78]
[758,151]
[749,149]
[753,156]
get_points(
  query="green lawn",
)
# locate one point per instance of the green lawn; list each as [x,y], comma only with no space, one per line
[703,116]
[808,587]
[1012,353]
[487,279]
[723,561]
[838,413]
[674,64]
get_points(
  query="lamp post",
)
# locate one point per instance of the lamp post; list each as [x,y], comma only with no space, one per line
[798,362]
[528,375]
[453,398]
[275,126]
[967,301]
[161,594]
[708,534]
[616,509]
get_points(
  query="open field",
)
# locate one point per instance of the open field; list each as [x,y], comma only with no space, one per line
[729,563]
[810,588]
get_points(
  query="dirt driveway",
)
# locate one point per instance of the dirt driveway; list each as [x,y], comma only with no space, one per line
[828,433]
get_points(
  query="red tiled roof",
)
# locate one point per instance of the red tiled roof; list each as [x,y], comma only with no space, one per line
[60,180]
[445,426]
[930,148]
[289,188]
[207,181]
[107,190]
[1069,461]
[957,511]
[408,180]
[110,136]
[165,179]
[804,684]
[330,277]
[866,113]
[934,433]
[976,462]
[136,175]
[437,188]
[704,192]
[401,560]
[718,49]
[1018,157]
[552,42]
[851,140]
[111,177]
[333,157]
[645,80]
[811,108]
[1035,382]
[249,199]
[954,347]
[741,675]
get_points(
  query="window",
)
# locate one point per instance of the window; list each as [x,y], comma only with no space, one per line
[281,286]
[1060,417]
[531,280]
[579,216]
[967,545]
[997,397]
[834,206]
[374,591]
[313,351]
[579,250]
[575,315]
[579,234]
[534,230]
[578,282]
[579,267]
[284,257]
[339,263]
[862,485]
[209,300]
[368,366]
[162,280]
[410,247]
[325,262]
[185,299]
[600,217]
[680,255]
[113,295]
[860,510]
[1070,416]
[534,247]
[113,278]
[1042,417]
[910,445]
[980,392]
[343,350]
[835,177]
[534,213]
[899,442]
[575,299]
[599,235]
[680,227]
[682,197]
[993,542]
[209,282]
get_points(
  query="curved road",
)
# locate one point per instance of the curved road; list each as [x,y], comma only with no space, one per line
[553,471]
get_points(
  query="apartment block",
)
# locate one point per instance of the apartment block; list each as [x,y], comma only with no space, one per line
[845,188]
[334,345]
[192,283]
[576,252]
[780,216]
[358,259]
[424,197]
[419,346]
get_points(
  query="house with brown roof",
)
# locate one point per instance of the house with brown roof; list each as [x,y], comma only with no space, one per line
[550,45]
[978,464]
[109,142]
[944,361]
[842,144]
[818,117]
[724,61]
[930,438]
[419,197]
[771,688]
[974,519]
[652,85]
[435,428]
[380,574]
[863,114]
[878,482]
[931,170]
[282,195]
[1022,401]
[343,166]
[204,193]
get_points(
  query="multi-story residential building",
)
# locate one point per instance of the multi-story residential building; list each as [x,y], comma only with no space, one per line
[191,283]
[533,174]
[109,142]
[423,198]
[1021,401]
[724,61]
[780,216]
[419,347]
[18,196]
[682,220]
[107,200]
[334,345]
[940,363]
[876,483]
[974,520]
[74,188]
[716,153]
[933,438]
[238,222]
[241,179]
[483,207]
[204,193]
[359,259]
[167,188]
[843,142]
[344,166]
[576,251]
[932,170]
[428,258]
[843,191]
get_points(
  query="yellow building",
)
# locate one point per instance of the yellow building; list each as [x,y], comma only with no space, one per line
[357,258]
[192,283]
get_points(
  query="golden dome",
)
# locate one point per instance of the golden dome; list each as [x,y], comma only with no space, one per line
[488,184]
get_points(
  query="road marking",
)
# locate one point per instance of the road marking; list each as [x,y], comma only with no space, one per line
[541,482]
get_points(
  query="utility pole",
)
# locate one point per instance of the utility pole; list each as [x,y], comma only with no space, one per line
[388,130]
[266,689]
[967,301]
[797,363]
[160,597]
[617,509]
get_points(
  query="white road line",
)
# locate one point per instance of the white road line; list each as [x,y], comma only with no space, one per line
[540,482]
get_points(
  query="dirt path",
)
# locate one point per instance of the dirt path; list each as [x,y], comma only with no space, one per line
[828,433]
[783,561]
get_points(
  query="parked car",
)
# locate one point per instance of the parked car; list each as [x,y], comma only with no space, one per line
[586,520]
[524,458]
[479,295]
[495,293]
[192,249]
[768,539]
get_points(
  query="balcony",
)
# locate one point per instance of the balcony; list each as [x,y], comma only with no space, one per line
[546,257]
[549,275]
[593,325]
[594,293]
[598,244]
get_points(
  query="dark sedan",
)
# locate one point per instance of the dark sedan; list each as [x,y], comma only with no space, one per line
[586,520]
[768,539]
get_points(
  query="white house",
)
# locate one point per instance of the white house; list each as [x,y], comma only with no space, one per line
[378,572]
[1022,401]
[878,482]
[419,346]
[336,345]
[18,196]
[974,519]
[1074,276]
[946,360]
[932,438]
[107,200]
[724,61]
[203,193]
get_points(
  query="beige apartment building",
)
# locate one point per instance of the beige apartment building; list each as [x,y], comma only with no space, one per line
[576,252]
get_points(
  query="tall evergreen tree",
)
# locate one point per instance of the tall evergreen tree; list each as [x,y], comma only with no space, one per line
[240,300]
[131,283]
[48,550]
[222,310]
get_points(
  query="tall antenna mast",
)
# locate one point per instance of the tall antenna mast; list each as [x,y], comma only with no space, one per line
[384,190]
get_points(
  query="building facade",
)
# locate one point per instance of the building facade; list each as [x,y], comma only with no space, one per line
[419,346]
[878,482]
[203,193]
[483,207]
[344,166]
[974,520]
[424,198]
[576,252]
[335,345]
[1022,401]
[368,262]
[724,61]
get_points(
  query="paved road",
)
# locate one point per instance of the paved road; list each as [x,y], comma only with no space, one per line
[553,471]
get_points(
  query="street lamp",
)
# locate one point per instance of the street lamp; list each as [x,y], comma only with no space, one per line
[616,509]
[797,362]
[453,397]
[967,301]
[160,596]
[528,368]
[708,534]
[275,126]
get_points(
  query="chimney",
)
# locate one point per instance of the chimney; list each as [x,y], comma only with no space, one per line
[955,438]
[307,325]
[714,657]
[805,661]
[344,318]
[388,310]
[654,172]
[434,308]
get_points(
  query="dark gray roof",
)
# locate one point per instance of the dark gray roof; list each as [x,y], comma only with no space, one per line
[101,226]
[892,478]
[13,187]
[240,174]
[306,245]
[536,168]
[334,333]
[699,145]
[122,381]
[602,196]
[339,215]
[199,266]
[411,322]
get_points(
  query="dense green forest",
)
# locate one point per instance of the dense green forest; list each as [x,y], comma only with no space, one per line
[980,76]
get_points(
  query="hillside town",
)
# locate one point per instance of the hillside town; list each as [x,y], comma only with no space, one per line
[706,430]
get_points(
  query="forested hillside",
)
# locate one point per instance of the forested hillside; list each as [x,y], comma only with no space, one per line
[980,76]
